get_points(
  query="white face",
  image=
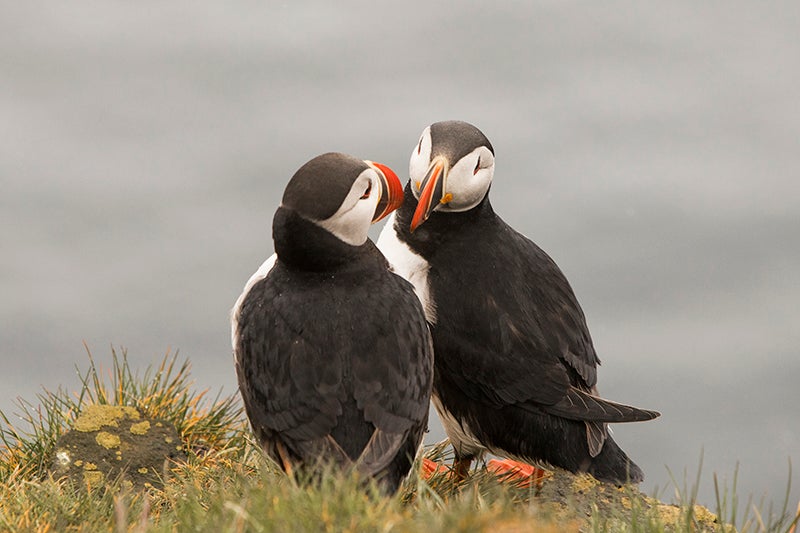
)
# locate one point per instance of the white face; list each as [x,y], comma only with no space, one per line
[352,221]
[466,181]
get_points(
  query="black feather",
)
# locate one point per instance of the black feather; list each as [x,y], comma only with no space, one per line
[514,360]
[335,362]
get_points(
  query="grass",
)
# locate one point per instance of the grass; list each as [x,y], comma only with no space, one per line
[227,485]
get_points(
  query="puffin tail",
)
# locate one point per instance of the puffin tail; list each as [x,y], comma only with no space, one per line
[581,405]
[613,465]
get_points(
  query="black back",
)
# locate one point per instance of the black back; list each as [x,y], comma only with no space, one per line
[330,354]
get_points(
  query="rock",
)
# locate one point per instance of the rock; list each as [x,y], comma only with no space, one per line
[107,441]
[582,495]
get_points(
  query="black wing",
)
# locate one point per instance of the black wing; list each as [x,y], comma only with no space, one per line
[286,390]
[519,335]
[395,377]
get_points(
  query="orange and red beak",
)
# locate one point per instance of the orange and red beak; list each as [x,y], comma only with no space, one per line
[431,192]
[391,191]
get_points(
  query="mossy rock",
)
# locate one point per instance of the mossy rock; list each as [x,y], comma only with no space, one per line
[107,441]
[582,496]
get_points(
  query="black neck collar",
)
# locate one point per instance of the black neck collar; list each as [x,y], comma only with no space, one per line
[303,245]
[428,236]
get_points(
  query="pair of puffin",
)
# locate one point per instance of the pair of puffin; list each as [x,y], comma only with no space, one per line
[335,359]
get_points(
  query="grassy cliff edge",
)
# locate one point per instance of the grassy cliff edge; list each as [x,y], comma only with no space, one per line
[76,462]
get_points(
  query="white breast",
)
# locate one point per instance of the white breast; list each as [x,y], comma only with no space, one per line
[459,433]
[408,264]
[236,312]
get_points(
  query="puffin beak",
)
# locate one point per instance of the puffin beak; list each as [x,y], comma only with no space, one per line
[431,192]
[391,191]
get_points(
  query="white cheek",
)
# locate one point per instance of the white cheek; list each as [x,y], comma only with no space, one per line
[352,221]
[416,171]
[420,161]
[352,226]
[467,186]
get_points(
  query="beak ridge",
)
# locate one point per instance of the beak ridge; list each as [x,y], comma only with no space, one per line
[391,193]
[431,193]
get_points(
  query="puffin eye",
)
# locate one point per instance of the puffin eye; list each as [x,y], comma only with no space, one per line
[367,192]
[477,166]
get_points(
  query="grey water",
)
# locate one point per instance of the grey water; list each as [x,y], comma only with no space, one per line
[653,149]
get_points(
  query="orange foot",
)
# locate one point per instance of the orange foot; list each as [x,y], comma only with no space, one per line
[526,474]
[429,468]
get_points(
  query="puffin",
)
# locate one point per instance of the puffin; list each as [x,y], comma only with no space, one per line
[332,352]
[515,370]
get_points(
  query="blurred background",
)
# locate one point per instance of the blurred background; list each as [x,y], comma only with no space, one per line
[651,148]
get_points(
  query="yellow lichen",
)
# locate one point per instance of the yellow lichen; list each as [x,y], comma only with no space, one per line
[669,514]
[143,470]
[93,477]
[96,416]
[168,440]
[584,482]
[89,466]
[672,514]
[107,440]
[140,428]
[78,463]
[704,516]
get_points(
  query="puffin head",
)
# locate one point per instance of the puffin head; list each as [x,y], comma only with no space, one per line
[343,194]
[451,169]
